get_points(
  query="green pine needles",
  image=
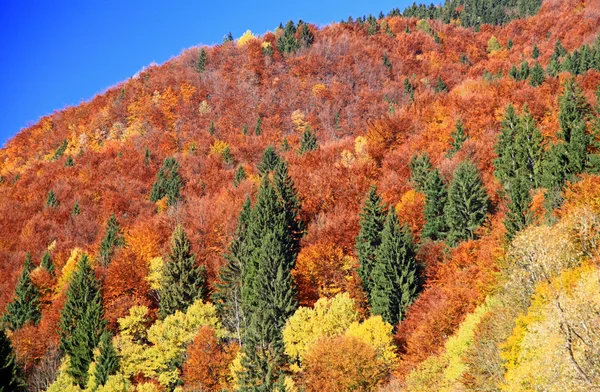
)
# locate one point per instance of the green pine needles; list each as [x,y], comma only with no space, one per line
[25,306]
[113,238]
[168,183]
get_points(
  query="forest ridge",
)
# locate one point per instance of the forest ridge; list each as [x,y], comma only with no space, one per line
[406,201]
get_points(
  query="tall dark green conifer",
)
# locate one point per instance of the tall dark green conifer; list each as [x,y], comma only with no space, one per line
[113,238]
[467,205]
[51,200]
[308,142]
[436,197]
[287,42]
[107,361]
[47,263]
[420,166]
[11,379]
[240,175]
[269,161]
[459,136]
[183,282]
[537,75]
[168,183]
[394,274]
[518,215]
[201,64]
[506,163]
[81,320]
[306,36]
[372,218]
[25,306]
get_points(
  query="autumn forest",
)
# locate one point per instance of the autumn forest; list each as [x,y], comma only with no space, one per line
[404,201]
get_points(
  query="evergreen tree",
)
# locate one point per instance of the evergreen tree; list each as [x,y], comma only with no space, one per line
[183,282]
[25,306]
[113,238]
[287,42]
[555,173]
[308,142]
[436,197]
[147,157]
[81,320]
[386,62]
[573,109]
[107,361]
[529,150]
[228,295]
[518,216]
[10,372]
[394,275]
[467,203]
[372,218]
[240,175]
[459,136]
[506,150]
[409,89]
[228,158]
[69,162]
[269,161]
[201,64]
[211,128]
[441,86]
[535,52]
[244,129]
[258,126]
[420,166]
[168,183]
[51,200]
[76,210]
[536,77]
[47,263]
[306,36]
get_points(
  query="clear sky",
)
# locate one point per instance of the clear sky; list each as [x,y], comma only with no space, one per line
[56,54]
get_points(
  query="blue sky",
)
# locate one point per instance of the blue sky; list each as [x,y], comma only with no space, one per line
[58,55]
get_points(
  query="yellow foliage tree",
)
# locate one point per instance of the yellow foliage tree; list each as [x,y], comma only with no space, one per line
[245,38]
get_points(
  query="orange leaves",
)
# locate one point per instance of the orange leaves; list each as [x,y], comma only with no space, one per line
[410,211]
[208,361]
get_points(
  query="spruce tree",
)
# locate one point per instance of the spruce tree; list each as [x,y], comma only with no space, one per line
[201,64]
[113,238]
[183,282]
[529,149]
[467,203]
[459,136]
[240,175]
[506,163]
[10,373]
[51,200]
[394,275]
[573,110]
[535,52]
[228,294]
[168,183]
[69,162]
[436,197]
[76,210]
[306,36]
[287,42]
[289,203]
[420,166]
[536,77]
[440,86]
[372,218]
[47,263]
[81,320]
[258,126]
[518,216]
[107,361]
[211,128]
[308,142]
[25,306]
[269,161]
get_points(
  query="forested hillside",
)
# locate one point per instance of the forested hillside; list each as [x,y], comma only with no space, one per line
[408,201]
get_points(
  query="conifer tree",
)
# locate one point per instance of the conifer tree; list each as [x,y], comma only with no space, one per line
[10,372]
[420,166]
[505,164]
[168,183]
[289,203]
[211,128]
[76,210]
[467,203]
[258,126]
[47,263]
[535,52]
[440,86]
[287,42]
[69,162]
[436,197]
[113,238]
[459,136]
[228,295]
[107,361]
[518,216]
[269,161]
[372,218]
[308,142]
[240,175]
[394,275]
[81,320]
[183,282]
[25,306]
[51,200]
[536,77]
[201,64]
[573,109]
[529,149]
[306,36]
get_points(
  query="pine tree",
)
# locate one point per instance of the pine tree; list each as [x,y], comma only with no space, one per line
[201,64]
[535,52]
[287,42]
[69,162]
[168,183]
[51,200]
[459,136]
[436,197]
[183,281]
[81,320]
[258,126]
[228,295]
[76,210]
[10,372]
[25,306]
[240,175]
[228,157]
[420,166]
[308,142]
[441,86]
[518,216]
[269,161]
[536,77]
[306,36]
[147,157]
[467,203]
[372,218]
[107,361]
[211,128]
[394,275]
[505,164]
[555,173]
[387,63]
[529,149]
[573,109]
[113,238]
[47,263]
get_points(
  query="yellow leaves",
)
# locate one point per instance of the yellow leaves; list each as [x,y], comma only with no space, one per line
[218,147]
[347,159]
[155,273]
[361,155]
[204,108]
[319,90]
[143,241]
[68,269]
[186,91]
[162,204]
[378,334]
[245,38]
[299,120]
[493,45]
